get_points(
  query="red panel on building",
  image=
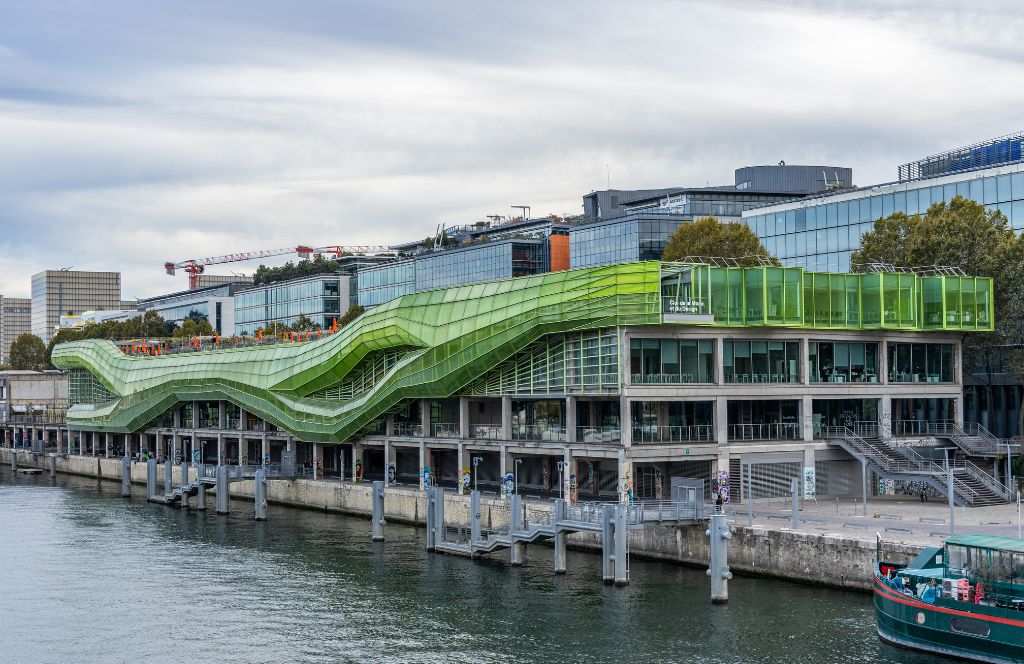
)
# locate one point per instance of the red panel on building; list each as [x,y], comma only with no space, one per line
[558,245]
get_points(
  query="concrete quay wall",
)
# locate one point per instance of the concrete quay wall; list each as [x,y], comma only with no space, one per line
[803,557]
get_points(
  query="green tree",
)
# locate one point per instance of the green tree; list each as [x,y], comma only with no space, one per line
[28,352]
[350,315]
[303,323]
[275,329]
[710,238]
[191,328]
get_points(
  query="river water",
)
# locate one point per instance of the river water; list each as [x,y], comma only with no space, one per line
[87,576]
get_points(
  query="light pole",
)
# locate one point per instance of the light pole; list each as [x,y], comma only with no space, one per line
[561,484]
[515,477]
[476,473]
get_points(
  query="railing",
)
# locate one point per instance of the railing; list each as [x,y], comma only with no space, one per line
[777,431]
[668,510]
[662,378]
[51,418]
[895,377]
[538,432]
[761,378]
[910,428]
[209,422]
[444,429]
[591,512]
[485,431]
[979,475]
[234,423]
[408,429]
[674,434]
[603,434]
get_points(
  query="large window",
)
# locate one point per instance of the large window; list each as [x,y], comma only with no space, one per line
[842,362]
[920,363]
[672,360]
[762,361]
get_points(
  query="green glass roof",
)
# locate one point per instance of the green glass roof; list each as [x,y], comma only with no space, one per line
[449,337]
[1011,544]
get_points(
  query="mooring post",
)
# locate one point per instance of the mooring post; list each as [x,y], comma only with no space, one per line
[223,490]
[474,520]
[168,476]
[515,524]
[750,494]
[793,489]
[261,495]
[431,518]
[621,545]
[126,477]
[150,478]
[718,531]
[560,536]
[608,543]
[200,492]
[185,468]
[378,511]
[439,534]
[52,461]
[14,460]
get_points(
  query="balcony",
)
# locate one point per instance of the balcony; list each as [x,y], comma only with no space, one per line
[662,378]
[761,378]
[444,429]
[540,432]
[408,429]
[485,431]
[693,433]
[776,431]
[603,434]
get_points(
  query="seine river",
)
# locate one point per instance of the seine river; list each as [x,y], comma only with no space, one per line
[87,576]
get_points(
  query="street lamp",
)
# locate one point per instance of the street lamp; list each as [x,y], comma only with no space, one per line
[561,483]
[476,473]
[515,477]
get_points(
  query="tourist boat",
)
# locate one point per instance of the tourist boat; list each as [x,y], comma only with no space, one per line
[974,609]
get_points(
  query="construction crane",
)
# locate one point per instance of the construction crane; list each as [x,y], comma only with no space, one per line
[196,266]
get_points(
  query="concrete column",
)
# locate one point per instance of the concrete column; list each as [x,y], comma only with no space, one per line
[195,414]
[503,464]
[958,412]
[662,414]
[389,426]
[720,360]
[883,362]
[460,458]
[807,415]
[108,444]
[289,445]
[423,464]
[722,420]
[721,466]
[69,442]
[885,417]
[625,478]
[626,421]
[316,457]
[357,458]
[175,445]
[243,420]
[264,448]
[424,420]
[463,419]
[177,416]
[222,415]
[570,419]
[810,474]
[220,449]
[568,470]
[506,418]
[389,460]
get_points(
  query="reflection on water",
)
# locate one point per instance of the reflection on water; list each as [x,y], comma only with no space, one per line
[90,577]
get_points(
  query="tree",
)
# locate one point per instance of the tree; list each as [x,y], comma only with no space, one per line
[350,315]
[303,323]
[275,329]
[28,352]
[708,237]
[192,328]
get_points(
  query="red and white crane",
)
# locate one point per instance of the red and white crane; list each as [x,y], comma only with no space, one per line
[196,266]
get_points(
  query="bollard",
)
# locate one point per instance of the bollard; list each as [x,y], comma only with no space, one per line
[560,537]
[621,545]
[378,511]
[793,489]
[52,462]
[168,475]
[14,461]
[718,531]
[474,520]
[431,520]
[200,496]
[515,524]
[186,467]
[608,543]
[439,535]
[126,477]
[183,477]
[223,490]
[150,478]
[261,495]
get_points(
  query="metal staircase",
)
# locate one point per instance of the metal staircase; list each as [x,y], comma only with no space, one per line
[974,439]
[971,486]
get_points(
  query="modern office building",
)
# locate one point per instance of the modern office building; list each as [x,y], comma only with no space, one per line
[380,283]
[206,280]
[56,293]
[15,320]
[216,303]
[624,376]
[321,298]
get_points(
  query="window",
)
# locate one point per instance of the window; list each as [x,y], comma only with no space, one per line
[842,362]
[672,361]
[920,363]
[761,361]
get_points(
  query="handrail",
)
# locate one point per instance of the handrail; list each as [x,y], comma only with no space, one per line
[981,476]
[673,434]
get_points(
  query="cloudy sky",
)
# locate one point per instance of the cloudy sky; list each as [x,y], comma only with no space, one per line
[140,131]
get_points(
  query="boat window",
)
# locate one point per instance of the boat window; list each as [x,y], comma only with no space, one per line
[969,626]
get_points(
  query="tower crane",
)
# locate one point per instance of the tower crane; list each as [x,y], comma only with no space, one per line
[196,266]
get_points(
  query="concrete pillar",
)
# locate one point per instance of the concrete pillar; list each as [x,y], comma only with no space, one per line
[503,464]
[718,532]
[662,411]
[883,362]
[223,490]
[423,465]
[289,445]
[195,415]
[220,449]
[722,420]
[357,458]
[506,418]
[168,476]
[805,361]
[560,537]
[720,360]
[516,525]
[109,443]
[958,410]
[389,426]
[387,459]
[570,419]
[625,487]
[568,471]
[463,419]
[378,511]
[807,415]
[177,416]
[175,446]
[151,478]
[261,495]
[243,420]
[810,473]
[460,464]
[425,417]
[264,449]
[885,417]
[316,460]
[222,415]
[626,421]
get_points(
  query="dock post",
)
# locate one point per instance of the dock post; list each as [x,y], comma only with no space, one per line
[607,543]
[185,467]
[52,462]
[793,490]
[168,476]
[150,478]
[621,545]
[200,493]
[261,495]
[14,460]
[515,524]
[378,511]
[560,536]
[439,534]
[126,477]
[474,520]
[431,519]
[223,490]
[718,531]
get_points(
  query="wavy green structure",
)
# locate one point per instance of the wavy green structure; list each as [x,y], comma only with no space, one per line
[449,337]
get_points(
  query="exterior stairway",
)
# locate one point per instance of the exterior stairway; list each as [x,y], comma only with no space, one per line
[972,486]
[974,439]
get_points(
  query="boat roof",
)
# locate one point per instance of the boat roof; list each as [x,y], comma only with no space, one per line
[928,572]
[989,542]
